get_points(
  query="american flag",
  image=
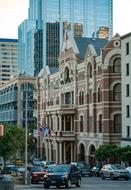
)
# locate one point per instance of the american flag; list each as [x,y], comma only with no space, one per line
[46,131]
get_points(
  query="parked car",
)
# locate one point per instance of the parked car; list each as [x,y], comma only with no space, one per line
[62,175]
[37,174]
[49,168]
[114,171]
[129,170]
[84,168]
[10,169]
[21,170]
[46,163]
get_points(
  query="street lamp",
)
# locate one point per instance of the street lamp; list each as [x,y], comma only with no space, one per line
[26,133]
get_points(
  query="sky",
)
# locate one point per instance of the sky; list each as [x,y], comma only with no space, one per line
[14,12]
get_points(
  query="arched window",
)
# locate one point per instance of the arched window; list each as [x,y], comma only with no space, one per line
[89,70]
[81,98]
[51,101]
[117,92]
[117,123]
[81,123]
[57,100]
[117,65]
[66,75]
[99,94]
[99,70]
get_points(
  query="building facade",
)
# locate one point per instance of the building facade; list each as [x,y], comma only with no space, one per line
[13,98]
[126,89]
[8,59]
[81,103]
[84,17]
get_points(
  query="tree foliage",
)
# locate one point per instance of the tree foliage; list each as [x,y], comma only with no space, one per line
[113,154]
[12,141]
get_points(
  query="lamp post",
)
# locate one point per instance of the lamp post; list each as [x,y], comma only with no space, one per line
[26,128]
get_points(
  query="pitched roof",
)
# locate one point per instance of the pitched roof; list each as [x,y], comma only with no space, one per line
[82,44]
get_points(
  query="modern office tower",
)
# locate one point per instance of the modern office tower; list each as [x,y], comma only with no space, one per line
[8,59]
[26,47]
[38,51]
[83,17]
[27,39]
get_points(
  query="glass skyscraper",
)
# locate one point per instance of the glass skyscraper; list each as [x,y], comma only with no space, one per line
[83,17]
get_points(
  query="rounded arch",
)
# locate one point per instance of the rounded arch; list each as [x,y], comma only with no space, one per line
[89,70]
[81,152]
[92,151]
[111,56]
[99,93]
[117,92]
[67,75]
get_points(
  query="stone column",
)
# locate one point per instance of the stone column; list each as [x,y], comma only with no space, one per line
[46,145]
[72,152]
[60,152]
[50,151]
[57,158]
[64,143]
[60,122]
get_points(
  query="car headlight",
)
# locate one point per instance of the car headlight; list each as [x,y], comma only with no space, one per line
[45,176]
[65,176]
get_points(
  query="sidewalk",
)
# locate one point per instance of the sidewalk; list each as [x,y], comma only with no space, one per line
[32,187]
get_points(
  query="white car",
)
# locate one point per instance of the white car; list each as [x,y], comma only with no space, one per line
[129,170]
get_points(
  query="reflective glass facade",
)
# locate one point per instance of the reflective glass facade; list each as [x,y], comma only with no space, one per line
[84,18]
[92,14]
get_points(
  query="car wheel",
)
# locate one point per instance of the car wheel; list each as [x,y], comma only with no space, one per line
[112,177]
[78,184]
[46,186]
[102,176]
[68,184]
[32,181]
[57,186]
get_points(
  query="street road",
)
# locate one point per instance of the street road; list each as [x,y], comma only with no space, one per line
[88,183]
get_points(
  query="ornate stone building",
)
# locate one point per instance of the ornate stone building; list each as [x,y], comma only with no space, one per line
[81,102]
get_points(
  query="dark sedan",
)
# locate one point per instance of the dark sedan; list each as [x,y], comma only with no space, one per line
[84,168]
[62,175]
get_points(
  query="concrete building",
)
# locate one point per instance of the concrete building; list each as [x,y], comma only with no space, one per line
[126,89]
[8,59]
[13,101]
[81,103]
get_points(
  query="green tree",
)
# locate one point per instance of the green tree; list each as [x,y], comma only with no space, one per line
[113,154]
[106,153]
[12,141]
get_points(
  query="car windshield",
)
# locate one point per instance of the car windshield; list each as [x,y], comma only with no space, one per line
[49,162]
[37,169]
[116,167]
[61,169]
[50,167]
